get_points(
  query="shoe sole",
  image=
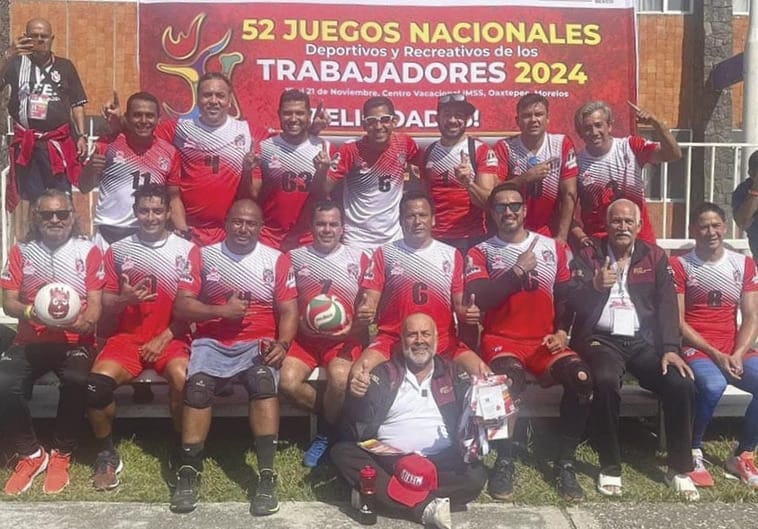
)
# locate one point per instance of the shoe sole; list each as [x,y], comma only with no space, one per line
[114,485]
[736,477]
[40,470]
[265,513]
[56,491]
[501,497]
[182,510]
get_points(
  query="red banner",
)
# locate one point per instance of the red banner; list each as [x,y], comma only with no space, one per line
[342,54]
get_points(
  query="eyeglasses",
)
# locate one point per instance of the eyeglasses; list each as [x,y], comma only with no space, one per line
[384,119]
[62,214]
[449,98]
[500,208]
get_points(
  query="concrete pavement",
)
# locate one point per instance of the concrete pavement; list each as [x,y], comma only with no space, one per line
[314,515]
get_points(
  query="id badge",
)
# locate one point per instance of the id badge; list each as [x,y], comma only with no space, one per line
[38,106]
[623,320]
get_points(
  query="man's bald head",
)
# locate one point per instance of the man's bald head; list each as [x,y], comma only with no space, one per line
[40,23]
[243,226]
[244,205]
[40,32]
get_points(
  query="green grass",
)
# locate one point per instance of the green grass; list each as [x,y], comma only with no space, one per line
[229,468]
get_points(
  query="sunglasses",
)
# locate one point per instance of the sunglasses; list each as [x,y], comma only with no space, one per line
[449,98]
[500,208]
[385,119]
[62,214]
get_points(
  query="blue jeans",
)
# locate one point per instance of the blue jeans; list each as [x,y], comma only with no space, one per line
[710,383]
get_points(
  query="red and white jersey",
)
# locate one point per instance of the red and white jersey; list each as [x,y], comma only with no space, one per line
[373,186]
[125,171]
[541,197]
[616,174]
[287,173]
[712,293]
[335,274]
[456,216]
[529,313]
[264,277]
[211,165]
[165,264]
[416,280]
[32,265]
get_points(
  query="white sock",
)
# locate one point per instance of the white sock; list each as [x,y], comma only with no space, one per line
[36,454]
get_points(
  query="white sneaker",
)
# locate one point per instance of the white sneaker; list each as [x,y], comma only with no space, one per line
[437,513]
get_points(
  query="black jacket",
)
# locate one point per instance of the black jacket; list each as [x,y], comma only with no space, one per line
[363,416]
[651,289]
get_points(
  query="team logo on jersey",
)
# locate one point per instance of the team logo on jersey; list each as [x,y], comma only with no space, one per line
[275,163]
[55,75]
[239,142]
[128,264]
[268,276]
[29,269]
[363,167]
[119,157]
[737,276]
[401,158]
[689,352]
[396,269]
[213,274]
[498,263]
[642,270]
[369,275]
[79,266]
[304,271]
[471,268]
[163,164]
[446,267]
[491,159]
[548,256]
[353,271]
[183,268]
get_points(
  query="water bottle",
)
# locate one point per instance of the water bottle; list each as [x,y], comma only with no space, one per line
[367,513]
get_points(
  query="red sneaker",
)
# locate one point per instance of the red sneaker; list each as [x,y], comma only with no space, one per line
[26,470]
[700,475]
[743,467]
[57,472]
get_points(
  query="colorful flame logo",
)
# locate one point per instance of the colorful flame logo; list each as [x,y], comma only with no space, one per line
[191,62]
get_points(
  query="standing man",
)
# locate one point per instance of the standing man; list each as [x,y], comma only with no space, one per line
[625,310]
[46,96]
[51,253]
[130,160]
[290,169]
[459,171]
[745,204]
[413,403]
[142,275]
[372,172]
[544,164]
[244,302]
[324,268]
[520,279]
[611,168]
[415,274]
[712,283]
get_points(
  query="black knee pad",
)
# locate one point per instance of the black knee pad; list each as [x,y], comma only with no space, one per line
[512,368]
[260,382]
[100,390]
[199,391]
[567,371]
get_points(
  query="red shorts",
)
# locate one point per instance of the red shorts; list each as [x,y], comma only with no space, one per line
[531,353]
[387,344]
[207,236]
[124,350]
[314,352]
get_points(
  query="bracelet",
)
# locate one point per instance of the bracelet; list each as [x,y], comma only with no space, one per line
[523,272]
[285,345]
[752,192]
[29,312]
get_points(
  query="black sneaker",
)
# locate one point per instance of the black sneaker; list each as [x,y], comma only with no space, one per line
[107,467]
[184,498]
[500,485]
[265,501]
[565,477]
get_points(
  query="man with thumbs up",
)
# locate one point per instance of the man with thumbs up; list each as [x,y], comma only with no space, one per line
[459,172]
[520,280]
[245,304]
[627,320]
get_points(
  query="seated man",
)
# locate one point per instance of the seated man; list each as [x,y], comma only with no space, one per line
[712,282]
[415,274]
[625,310]
[520,280]
[52,253]
[244,302]
[413,403]
[142,275]
[324,268]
